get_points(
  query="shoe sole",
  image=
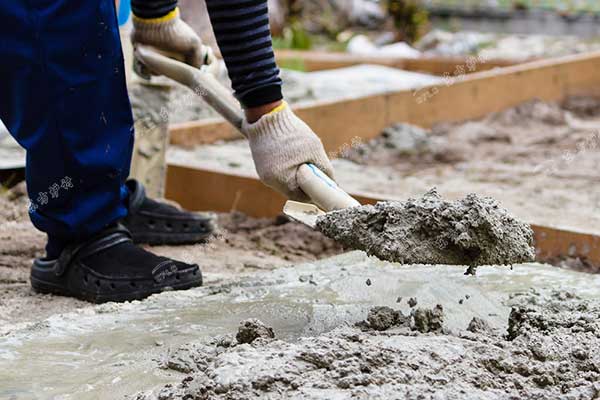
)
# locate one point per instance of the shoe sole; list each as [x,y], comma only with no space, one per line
[44,287]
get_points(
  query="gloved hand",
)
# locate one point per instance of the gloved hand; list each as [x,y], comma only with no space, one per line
[280,143]
[170,34]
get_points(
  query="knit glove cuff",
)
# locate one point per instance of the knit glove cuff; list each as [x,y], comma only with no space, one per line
[170,34]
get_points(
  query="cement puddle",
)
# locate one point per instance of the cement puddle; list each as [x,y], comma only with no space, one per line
[113,350]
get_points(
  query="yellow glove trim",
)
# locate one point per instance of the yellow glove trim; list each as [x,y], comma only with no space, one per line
[165,18]
[280,107]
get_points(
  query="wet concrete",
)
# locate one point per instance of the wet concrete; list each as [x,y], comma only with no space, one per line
[429,319]
[382,318]
[117,349]
[430,230]
[551,352]
[252,329]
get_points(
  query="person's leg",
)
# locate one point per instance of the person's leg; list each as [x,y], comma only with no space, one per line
[63,96]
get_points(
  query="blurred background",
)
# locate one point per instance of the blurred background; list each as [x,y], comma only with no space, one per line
[412,28]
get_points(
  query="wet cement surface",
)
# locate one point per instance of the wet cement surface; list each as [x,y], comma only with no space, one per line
[551,352]
[535,343]
[117,349]
[431,230]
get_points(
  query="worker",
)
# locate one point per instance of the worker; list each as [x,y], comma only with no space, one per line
[63,97]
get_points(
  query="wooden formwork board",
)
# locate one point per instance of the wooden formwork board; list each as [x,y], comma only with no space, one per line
[472,96]
[203,189]
[320,60]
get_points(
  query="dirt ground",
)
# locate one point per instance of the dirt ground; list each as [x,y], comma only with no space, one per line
[242,245]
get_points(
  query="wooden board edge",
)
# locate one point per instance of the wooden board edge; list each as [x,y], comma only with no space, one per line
[309,61]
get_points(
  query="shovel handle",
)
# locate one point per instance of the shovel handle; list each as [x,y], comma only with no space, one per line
[204,84]
[322,190]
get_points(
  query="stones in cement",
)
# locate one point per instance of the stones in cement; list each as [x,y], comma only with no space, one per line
[252,329]
[479,325]
[424,320]
[383,318]
[430,230]
[429,319]
[404,139]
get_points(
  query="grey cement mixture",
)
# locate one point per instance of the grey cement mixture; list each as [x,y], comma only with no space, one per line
[252,329]
[551,350]
[430,230]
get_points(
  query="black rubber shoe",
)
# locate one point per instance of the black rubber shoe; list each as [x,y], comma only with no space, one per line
[152,222]
[109,267]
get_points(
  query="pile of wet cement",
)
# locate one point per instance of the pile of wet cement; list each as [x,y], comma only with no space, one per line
[551,350]
[421,319]
[430,230]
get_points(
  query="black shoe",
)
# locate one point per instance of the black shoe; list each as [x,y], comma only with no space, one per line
[151,222]
[109,267]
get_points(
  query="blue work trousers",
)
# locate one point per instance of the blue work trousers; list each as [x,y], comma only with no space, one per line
[63,97]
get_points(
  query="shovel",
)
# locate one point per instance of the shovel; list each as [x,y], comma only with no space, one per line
[322,191]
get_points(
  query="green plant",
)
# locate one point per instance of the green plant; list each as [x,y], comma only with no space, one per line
[296,64]
[294,37]
[409,18]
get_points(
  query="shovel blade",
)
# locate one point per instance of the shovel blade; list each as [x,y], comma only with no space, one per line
[302,212]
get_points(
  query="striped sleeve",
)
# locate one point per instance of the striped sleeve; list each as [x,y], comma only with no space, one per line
[244,38]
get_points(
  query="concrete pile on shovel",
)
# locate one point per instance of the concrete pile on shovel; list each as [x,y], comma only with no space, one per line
[473,231]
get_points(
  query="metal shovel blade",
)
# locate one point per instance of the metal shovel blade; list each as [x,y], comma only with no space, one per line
[302,212]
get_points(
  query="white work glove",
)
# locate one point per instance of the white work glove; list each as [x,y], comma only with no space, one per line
[171,35]
[280,143]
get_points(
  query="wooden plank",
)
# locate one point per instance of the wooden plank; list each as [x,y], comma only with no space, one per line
[490,91]
[442,66]
[320,60]
[340,123]
[198,189]
[148,163]
[474,96]
[554,243]
[363,118]
[201,189]
[210,130]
